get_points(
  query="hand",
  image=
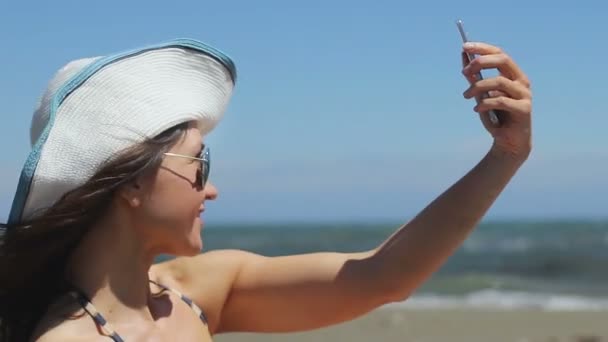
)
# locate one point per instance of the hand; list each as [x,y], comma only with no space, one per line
[509,93]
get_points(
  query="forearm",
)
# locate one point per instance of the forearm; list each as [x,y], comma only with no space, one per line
[422,245]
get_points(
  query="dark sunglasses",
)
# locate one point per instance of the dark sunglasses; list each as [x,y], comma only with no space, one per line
[203,175]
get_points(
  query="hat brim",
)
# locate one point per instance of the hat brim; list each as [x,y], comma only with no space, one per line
[116,101]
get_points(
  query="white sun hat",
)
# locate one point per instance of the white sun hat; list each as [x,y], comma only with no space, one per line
[96,107]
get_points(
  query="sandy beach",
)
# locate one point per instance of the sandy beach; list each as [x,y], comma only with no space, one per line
[455,325]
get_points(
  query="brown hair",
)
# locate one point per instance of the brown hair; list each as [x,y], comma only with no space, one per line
[34,253]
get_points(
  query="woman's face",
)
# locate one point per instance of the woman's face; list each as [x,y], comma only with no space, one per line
[172,201]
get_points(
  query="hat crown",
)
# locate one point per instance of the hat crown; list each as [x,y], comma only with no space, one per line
[41,115]
[94,108]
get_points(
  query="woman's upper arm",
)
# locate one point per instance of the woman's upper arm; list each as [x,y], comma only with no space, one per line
[243,291]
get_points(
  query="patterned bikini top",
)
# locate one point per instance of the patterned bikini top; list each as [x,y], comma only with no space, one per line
[86,304]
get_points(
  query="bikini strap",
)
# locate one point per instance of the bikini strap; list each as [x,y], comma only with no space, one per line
[86,304]
[199,312]
[88,307]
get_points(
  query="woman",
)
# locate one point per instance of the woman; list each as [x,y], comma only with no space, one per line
[118,175]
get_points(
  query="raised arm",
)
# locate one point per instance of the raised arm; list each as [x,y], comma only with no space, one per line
[300,292]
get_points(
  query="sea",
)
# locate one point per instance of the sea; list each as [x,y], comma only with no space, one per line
[512,265]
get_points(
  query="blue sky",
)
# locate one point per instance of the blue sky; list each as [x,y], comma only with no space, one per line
[345,110]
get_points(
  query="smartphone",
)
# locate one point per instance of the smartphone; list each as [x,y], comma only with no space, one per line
[494,115]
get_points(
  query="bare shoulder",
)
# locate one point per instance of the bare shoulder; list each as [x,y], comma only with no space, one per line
[183,268]
[65,321]
[206,278]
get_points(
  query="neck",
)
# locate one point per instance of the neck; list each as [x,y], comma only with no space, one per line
[111,265]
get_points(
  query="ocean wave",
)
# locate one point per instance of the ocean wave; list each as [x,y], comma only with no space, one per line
[505,300]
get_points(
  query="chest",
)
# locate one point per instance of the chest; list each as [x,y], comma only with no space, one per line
[181,324]
[174,320]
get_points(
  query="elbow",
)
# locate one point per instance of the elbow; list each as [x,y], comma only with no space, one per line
[376,281]
[376,295]
[393,293]
[392,284]
[381,294]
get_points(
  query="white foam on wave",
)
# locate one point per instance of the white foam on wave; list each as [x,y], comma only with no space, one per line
[505,300]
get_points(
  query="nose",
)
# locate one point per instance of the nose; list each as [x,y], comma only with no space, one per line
[210,190]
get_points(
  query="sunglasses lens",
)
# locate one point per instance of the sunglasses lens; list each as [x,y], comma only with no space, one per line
[205,163]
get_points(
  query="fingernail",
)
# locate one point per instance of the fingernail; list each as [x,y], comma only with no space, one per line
[469,45]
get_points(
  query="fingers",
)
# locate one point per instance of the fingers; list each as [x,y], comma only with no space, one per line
[496,93]
[507,95]
[505,104]
[491,57]
[500,84]
[465,59]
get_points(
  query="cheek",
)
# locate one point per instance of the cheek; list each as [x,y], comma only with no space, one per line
[171,205]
